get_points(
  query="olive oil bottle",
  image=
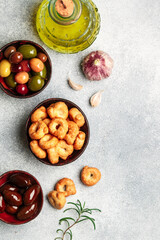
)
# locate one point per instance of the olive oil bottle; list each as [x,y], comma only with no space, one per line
[68,33]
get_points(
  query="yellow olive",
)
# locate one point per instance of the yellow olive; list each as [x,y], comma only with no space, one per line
[5,68]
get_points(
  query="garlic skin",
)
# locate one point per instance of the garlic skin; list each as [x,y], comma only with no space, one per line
[97,66]
[74,86]
[95,100]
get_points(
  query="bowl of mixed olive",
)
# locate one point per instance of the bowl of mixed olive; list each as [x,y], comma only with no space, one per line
[21,197]
[25,69]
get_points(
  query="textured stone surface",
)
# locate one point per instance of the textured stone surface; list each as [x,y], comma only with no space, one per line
[125,139]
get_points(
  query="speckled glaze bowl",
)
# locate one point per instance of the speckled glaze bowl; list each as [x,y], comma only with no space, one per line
[48,64]
[11,219]
[76,154]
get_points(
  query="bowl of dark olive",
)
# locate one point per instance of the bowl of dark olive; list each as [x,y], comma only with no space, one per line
[57,131]
[21,197]
[25,69]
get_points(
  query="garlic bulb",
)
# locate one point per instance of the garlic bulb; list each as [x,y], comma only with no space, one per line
[97,66]
[96,99]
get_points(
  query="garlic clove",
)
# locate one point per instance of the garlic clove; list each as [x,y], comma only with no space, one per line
[74,86]
[95,100]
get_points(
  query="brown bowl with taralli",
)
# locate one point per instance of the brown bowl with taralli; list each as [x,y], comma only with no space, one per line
[57,131]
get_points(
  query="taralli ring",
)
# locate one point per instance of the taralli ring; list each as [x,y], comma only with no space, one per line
[58,127]
[47,121]
[39,114]
[72,133]
[48,141]
[64,150]
[57,199]
[76,116]
[53,156]
[39,152]
[79,142]
[58,110]
[37,130]
[66,186]
[90,175]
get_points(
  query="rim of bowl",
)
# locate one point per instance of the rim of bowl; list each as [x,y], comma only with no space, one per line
[48,59]
[41,192]
[80,152]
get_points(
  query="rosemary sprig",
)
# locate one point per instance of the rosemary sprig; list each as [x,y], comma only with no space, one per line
[82,213]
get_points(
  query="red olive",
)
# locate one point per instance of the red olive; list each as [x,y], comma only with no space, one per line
[11,209]
[25,66]
[22,89]
[12,198]
[31,194]
[15,57]
[2,204]
[20,180]
[27,211]
[8,187]
[16,68]
[42,56]
[9,50]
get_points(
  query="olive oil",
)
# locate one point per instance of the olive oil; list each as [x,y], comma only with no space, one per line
[68,35]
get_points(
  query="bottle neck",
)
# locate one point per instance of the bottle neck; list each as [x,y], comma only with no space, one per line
[59,13]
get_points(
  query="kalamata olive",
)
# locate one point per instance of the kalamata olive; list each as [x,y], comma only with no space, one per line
[25,66]
[10,81]
[5,68]
[42,56]
[8,187]
[22,77]
[12,198]
[2,204]
[11,209]
[16,68]
[31,194]
[9,50]
[36,64]
[28,51]
[22,89]
[15,57]
[20,180]
[27,211]
[35,83]
[42,74]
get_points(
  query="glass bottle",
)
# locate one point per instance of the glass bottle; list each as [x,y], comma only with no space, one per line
[68,34]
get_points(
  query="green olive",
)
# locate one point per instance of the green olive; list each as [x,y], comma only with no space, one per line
[35,83]
[10,81]
[42,74]
[28,51]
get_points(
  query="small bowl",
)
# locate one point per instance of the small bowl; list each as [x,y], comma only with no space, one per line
[11,219]
[48,64]
[76,154]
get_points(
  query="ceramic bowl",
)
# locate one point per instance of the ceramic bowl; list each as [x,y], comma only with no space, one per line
[76,154]
[11,219]
[48,65]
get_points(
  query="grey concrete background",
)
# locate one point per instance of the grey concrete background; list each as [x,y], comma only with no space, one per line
[125,139]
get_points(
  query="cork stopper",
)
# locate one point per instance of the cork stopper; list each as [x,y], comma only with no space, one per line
[65,8]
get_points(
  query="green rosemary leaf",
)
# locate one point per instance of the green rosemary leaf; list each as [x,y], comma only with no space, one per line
[75,206]
[67,218]
[79,203]
[84,205]
[71,209]
[91,219]
[70,233]
[95,209]
[84,219]
[59,230]
[64,220]
[87,211]
[58,238]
